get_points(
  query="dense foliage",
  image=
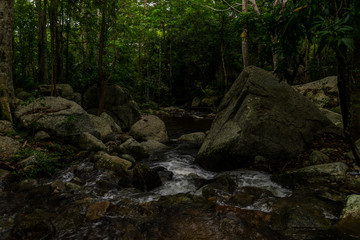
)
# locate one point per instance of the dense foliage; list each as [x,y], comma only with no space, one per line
[168,51]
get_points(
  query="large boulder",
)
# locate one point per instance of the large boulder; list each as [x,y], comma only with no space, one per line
[62,90]
[324,93]
[196,138]
[90,143]
[150,127]
[6,127]
[121,166]
[334,117]
[350,216]
[57,116]
[260,116]
[118,104]
[320,173]
[105,124]
[146,178]
[133,148]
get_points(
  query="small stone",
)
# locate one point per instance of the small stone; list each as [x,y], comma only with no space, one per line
[355,184]
[350,156]
[72,186]
[317,157]
[260,161]
[58,186]
[42,135]
[97,210]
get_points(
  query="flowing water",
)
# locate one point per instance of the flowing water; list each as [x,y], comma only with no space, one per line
[135,214]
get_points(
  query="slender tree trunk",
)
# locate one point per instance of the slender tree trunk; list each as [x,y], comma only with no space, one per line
[55,50]
[140,60]
[354,120]
[60,46]
[307,61]
[245,43]
[42,43]
[84,32]
[222,49]
[67,56]
[101,74]
[7,96]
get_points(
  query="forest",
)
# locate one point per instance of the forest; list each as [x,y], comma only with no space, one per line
[161,50]
[127,119]
[169,52]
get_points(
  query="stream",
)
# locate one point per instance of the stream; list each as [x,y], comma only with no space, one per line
[192,203]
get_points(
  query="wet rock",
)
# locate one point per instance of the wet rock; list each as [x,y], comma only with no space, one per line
[313,174]
[26,185]
[58,186]
[164,174]
[323,93]
[152,146]
[33,226]
[121,166]
[42,135]
[350,216]
[317,157]
[221,185]
[133,148]
[196,138]
[118,104]
[72,186]
[149,127]
[146,178]
[242,199]
[6,127]
[260,116]
[97,210]
[300,217]
[106,185]
[8,147]
[90,143]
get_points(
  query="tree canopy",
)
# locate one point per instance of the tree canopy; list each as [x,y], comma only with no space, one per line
[170,51]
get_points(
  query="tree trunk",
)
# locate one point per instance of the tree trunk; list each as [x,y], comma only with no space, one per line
[42,43]
[140,60]
[307,61]
[222,52]
[67,59]
[101,74]
[245,43]
[7,96]
[55,48]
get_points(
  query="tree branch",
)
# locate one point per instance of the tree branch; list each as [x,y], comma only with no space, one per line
[233,7]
